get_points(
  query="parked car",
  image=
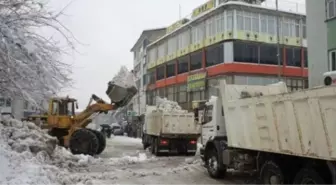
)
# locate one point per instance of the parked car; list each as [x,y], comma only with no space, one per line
[117,130]
[106,130]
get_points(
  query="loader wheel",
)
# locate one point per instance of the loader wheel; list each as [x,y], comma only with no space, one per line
[102,141]
[83,141]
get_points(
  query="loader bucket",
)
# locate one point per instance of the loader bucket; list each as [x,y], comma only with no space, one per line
[120,96]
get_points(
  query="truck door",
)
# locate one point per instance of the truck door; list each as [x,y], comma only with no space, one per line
[208,124]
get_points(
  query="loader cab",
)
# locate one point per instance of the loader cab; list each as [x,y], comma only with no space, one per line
[213,122]
[61,111]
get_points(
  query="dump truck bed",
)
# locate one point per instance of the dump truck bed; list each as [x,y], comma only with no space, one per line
[301,123]
[171,124]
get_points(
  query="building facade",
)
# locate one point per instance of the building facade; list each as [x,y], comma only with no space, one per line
[331,30]
[227,40]
[138,104]
[317,40]
[18,107]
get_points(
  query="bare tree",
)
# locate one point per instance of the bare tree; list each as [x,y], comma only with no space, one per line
[30,65]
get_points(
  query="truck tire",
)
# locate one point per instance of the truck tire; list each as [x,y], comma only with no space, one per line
[215,170]
[308,176]
[271,173]
[156,147]
[101,139]
[152,145]
[83,141]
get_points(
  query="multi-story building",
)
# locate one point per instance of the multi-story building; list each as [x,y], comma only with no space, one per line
[138,104]
[18,107]
[235,41]
[320,27]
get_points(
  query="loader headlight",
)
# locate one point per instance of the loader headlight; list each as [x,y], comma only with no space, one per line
[72,117]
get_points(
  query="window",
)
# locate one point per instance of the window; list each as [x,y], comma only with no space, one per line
[229,20]
[151,77]
[170,70]
[196,60]
[332,60]
[331,10]
[182,65]
[170,93]
[255,22]
[25,106]
[240,20]
[220,26]
[247,21]
[208,114]
[210,29]
[197,33]
[2,102]
[271,25]
[161,50]
[160,73]
[183,40]
[297,28]
[268,54]
[8,102]
[172,45]
[305,59]
[245,52]
[182,94]
[263,23]
[144,80]
[293,57]
[152,55]
[214,55]
[304,29]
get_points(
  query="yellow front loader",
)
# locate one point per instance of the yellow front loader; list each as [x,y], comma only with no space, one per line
[70,128]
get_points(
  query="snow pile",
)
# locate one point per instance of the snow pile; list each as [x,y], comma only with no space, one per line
[166,105]
[28,155]
[124,78]
[127,140]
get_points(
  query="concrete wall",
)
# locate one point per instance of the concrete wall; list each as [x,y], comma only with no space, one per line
[317,41]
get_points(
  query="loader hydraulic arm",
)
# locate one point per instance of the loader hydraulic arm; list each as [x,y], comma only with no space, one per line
[99,107]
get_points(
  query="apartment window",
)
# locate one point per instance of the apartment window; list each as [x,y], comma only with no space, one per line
[331,10]
[293,56]
[151,77]
[196,60]
[8,102]
[210,28]
[263,23]
[214,55]
[271,25]
[172,45]
[162,50]
[247,21]
[332,60]
[183,40]
[297,28]
[2,102]
[170,93]
[170,69]
[304,29]
[160,73]
[255,22]
[197,33]
[305,59]
[245,52]
[240,20]
[220,26]
[229,20]
[182,97]
[182,64]
[268,54]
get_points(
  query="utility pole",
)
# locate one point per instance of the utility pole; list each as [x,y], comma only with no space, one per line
[278,39]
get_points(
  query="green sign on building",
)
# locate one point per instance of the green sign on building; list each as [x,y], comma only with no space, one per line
[196,82]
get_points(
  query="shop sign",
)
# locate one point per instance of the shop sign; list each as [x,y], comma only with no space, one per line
[196,82]
[203,8]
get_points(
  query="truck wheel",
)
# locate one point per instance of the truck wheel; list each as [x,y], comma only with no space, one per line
[271,173]
[215,170]
[152,145]
[83,141]
[156,147]
[308,176]
[101,139]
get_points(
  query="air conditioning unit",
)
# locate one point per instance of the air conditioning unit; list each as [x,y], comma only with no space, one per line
[329,78]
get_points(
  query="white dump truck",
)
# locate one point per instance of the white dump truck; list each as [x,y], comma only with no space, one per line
[280,137]
[170,132]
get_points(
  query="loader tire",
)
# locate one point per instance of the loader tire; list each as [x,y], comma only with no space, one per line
[102,141]
[84,141]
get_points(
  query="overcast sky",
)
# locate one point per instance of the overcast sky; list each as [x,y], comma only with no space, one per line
[109,28]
